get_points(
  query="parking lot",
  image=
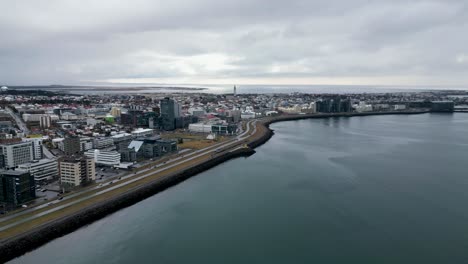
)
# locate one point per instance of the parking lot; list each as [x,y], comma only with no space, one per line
[106,173]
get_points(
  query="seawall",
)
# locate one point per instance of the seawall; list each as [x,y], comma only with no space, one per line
[21,244]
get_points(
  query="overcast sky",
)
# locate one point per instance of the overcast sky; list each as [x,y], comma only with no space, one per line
[234,42]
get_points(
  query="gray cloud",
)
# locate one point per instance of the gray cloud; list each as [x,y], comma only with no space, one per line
[381,42]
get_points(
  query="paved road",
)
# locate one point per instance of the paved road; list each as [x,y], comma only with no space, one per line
[136,177]
[18,120]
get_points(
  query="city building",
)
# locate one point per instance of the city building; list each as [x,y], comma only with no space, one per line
[106,158]
[45,121]
[121,141]
[37,147]
[224,129]
[86,143]
[16,152]
[16,187]
[43,170]
[71,145]
[141,132]
[76,170]
[442,106]
[115,111]
[170,110]
[154,147]
[200,128]
[398,107]
[103,142]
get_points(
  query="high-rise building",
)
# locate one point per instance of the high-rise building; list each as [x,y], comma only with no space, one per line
[71,145]
[170,110]
[235,90]
[43,170]
[16,152]
[16,187]
[76,170]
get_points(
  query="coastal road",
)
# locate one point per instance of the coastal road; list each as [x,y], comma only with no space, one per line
[57,205]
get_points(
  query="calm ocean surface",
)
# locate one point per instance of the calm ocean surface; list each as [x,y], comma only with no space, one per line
[378,189]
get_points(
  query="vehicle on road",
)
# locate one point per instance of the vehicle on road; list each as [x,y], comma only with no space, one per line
[24,206]
[61,197]
[218,150]
[50,204]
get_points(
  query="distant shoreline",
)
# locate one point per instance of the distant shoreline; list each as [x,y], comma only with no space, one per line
[104,88]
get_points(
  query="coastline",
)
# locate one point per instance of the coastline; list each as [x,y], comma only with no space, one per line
[16,246]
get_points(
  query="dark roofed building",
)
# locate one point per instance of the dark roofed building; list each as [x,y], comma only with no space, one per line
[16,187]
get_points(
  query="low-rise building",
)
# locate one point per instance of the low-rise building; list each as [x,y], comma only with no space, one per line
[142,132]
[399,107]
[43,170]
[200,128]
[103,142]
[16,152]
[106,158]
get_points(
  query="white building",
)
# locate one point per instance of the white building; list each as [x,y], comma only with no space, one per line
[200,128]
[69,116]
[247,115]
[43,170]
[16,153]
[197,111]
[36,144]
[107,158]
[363,107]
[142,132]
[32,117]
[45,121]
[399,107]
[296,109]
